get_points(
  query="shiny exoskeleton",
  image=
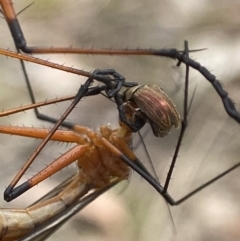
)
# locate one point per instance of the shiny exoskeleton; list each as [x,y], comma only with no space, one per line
[155,106]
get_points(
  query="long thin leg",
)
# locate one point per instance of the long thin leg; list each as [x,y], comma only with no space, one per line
[66,159]
[42,133]
[38,104]
[82,91]
[183,127]
[21,43]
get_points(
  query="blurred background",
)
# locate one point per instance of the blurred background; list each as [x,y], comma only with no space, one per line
[134,210]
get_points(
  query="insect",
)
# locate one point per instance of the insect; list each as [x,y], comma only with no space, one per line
[200,155]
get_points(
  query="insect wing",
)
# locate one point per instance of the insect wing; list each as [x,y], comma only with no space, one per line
[51,226]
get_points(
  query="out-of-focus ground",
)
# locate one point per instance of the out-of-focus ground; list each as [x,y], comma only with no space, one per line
[134,211]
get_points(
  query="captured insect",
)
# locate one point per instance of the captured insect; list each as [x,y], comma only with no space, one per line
[198,132]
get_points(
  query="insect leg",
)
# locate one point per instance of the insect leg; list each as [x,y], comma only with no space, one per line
[183,127]
[82,91]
